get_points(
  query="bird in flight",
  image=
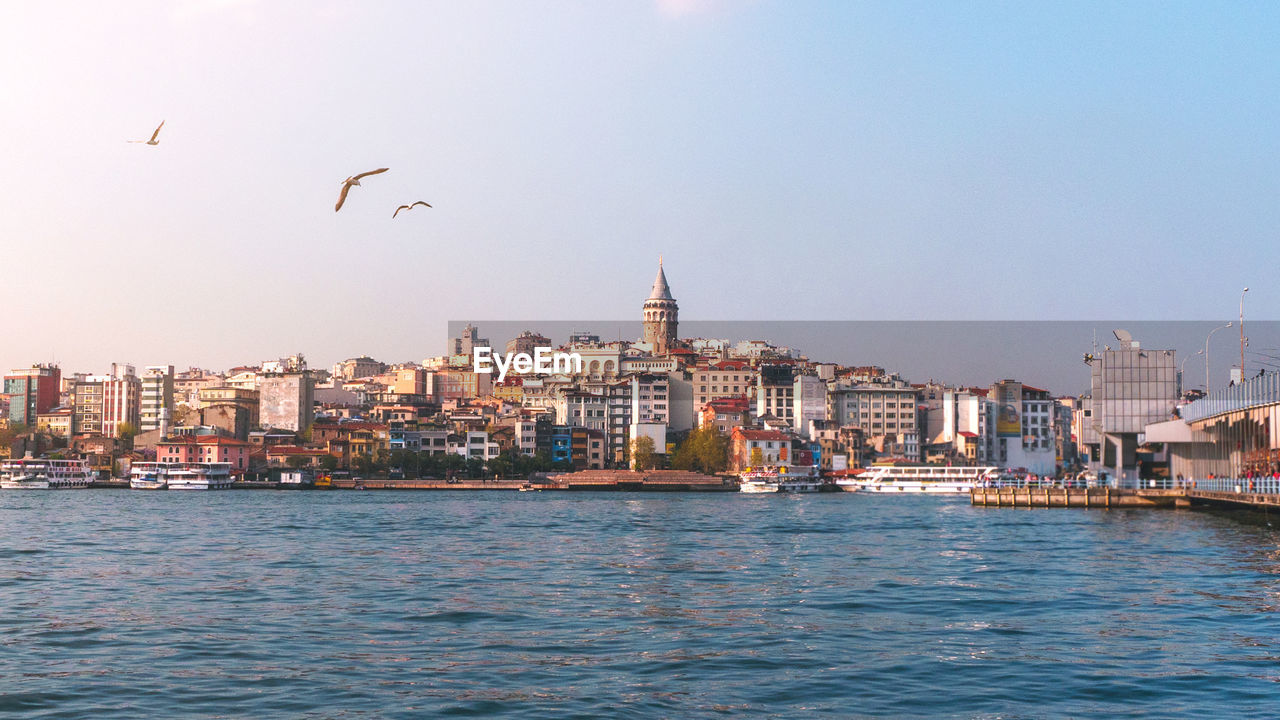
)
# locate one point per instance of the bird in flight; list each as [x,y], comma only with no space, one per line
[154,136]
[355,180]
[408,207]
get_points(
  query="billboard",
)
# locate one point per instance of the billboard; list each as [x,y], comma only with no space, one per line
[1008,397]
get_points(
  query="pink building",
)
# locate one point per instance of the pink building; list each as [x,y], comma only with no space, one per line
[205,448]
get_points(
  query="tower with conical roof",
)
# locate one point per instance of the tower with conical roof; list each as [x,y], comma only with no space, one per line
[661,316]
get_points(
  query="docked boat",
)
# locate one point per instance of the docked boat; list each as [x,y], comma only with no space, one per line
[199,476]
[920,479]
[45,474]
[768,481]
[149,475]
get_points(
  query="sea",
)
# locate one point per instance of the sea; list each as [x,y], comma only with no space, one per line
[402,604]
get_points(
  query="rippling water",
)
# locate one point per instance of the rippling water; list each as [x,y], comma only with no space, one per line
[118,604]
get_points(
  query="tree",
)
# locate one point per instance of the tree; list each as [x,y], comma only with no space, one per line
[126,431]
[329,463]
[297,462]
[642,453]
[705,450]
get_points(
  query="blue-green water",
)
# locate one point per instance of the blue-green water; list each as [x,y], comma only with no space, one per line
[117,604]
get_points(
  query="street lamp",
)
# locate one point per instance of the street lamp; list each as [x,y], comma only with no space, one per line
[1206,354]
[1183,368]
[1242,292]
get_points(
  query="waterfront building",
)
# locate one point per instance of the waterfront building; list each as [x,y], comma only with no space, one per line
[587,449]
[286,401]
[57,422]
[579,409]
[731,378]
[758,449]
[104,402]
[661,316]
[877,410]
[809,404]
[1025,418]
[775,392]
[681,413]
[31,391]
[157,396]
[1130,388]
[205,449]
[726,413]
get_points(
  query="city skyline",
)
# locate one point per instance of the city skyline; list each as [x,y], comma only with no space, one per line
[821,161]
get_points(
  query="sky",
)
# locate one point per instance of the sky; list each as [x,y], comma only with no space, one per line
[789,160]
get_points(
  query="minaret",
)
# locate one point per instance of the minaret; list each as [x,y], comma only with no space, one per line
[661,315]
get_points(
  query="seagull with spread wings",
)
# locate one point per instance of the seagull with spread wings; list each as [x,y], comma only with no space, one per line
[154,137]
[408,207]
[349,182]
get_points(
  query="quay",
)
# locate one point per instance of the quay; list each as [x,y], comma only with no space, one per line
[1103,497]
[1225,493]
[651,480]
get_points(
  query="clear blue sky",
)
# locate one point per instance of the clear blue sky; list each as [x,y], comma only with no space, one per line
[791,160]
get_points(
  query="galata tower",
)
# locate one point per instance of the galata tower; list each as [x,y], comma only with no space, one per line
[661,316]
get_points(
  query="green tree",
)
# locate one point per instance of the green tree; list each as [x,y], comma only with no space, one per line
[125,432]
[704,450]
[329,463]
[642,455]
[297,462]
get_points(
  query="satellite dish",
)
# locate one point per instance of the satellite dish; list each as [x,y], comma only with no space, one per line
[1123,336]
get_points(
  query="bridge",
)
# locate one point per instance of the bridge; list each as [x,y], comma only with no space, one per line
[1233,432]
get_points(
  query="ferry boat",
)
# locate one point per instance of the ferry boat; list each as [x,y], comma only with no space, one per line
[44,474]
[149,475]
[770,481]
[920,479]
[199,476]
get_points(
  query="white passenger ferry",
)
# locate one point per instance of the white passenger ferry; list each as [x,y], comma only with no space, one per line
[199,476]
[771,481]
[149,475]
[920,479]
[44,474]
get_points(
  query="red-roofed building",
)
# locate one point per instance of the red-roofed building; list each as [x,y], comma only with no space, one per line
[758,448]
[279,455]
[205,449]
[721,380]
[726,413]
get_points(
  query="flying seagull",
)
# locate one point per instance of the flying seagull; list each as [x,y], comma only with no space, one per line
[154,135]
[346,186]
[408,207]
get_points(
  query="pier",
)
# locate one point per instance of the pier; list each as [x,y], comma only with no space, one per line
[1228,493]
[1050,497]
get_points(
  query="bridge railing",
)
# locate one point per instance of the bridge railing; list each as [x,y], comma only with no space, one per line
[1266,485]
[1255,391]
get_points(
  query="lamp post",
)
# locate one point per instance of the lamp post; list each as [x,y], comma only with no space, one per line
[1206,354]
[1182,369]
[1242,292]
